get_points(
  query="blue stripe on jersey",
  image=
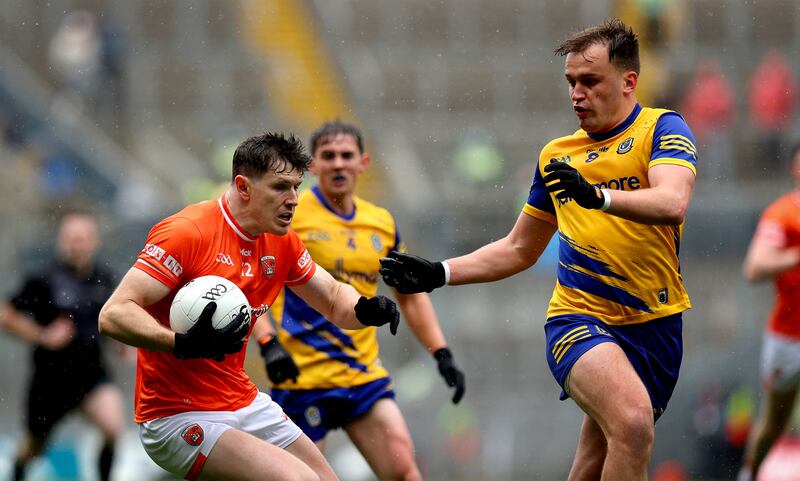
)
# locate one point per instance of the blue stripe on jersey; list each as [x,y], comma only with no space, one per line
[672,139]
[570,277]
[619,128]
[539,197]
[295,310]
[569,254]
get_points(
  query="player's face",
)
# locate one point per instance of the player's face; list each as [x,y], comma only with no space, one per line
[597,89]
[337,163]
[273,199]
[78,240]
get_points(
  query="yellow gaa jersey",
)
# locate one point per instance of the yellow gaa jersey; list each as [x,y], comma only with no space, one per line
[617,270]
[349,247]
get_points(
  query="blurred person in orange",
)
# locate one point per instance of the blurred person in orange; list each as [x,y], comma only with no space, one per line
[774,253]
[327,378]
[56,312]
[616,191]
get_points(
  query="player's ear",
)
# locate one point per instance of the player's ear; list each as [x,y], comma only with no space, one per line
[364,162]
[630,79]
[242,185]
[312,167]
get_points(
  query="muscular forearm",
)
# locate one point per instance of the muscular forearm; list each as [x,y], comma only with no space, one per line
[418,311]
[649,206]
[341,311]
[498,260]
[129,323]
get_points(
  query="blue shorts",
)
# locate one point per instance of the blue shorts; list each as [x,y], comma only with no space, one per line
[317,411]
[654,348]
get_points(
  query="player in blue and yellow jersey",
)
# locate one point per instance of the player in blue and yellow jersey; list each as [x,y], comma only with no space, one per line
[616,192]
[333,378]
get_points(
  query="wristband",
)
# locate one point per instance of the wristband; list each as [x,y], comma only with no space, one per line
[446,268]
[606,199]
[263,340]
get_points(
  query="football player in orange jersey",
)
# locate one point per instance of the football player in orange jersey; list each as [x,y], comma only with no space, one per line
[198,412]
[774,254]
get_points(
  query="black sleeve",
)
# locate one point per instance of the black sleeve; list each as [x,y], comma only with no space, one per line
[35,300]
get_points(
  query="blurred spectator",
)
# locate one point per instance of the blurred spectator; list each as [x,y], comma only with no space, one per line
[771,97]
[56,312]
[86,56]
[708,107]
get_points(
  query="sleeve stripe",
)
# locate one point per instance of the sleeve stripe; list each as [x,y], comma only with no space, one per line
[676,147]
[540,214]
[302,276]
[155,273]
[687,145]
[681,162]
[677,137]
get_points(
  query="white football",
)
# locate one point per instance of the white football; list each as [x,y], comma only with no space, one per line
[193,297]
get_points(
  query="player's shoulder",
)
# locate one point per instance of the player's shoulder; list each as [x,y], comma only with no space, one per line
[558,144]
[194,217]
[787,205]
[665,120]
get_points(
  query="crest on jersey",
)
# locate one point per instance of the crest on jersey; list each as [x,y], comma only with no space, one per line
[625,146]
[193,435]
[313,416]
[268,266]
[376,242]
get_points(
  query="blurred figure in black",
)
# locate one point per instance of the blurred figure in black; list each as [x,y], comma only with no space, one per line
[56,311]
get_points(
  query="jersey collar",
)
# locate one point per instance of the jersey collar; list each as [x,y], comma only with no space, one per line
[619,128]
[321,197]
[226,213]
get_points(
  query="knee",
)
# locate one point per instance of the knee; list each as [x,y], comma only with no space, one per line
[402,466]
[635,430]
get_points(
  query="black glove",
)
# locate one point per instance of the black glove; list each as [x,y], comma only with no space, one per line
[565,178]
[450,372]
[411,274]
[203,341]
[377,311]
[280,365]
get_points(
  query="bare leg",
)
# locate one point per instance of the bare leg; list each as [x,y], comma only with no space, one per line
[383,438]
[238,456]
[774,416]
[605,385]
[590,454]
[103,406]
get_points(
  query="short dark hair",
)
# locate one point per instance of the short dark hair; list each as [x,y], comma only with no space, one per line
[620,39]
[259,154]
[332,129]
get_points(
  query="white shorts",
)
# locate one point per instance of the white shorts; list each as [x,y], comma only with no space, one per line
[780,362]
[181,443]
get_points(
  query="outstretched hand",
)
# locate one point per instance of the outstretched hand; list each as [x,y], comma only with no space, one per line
[569,183]
[411,274]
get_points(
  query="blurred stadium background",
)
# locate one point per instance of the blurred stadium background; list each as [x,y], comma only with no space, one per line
[134,107]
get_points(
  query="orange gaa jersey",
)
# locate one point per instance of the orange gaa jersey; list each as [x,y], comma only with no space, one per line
[780,226]
[205,239]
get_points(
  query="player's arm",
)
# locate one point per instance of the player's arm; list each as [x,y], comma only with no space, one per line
[124,318]
[278,362]
[505,257]
[766,257]
[665,202]
[341,304]
[418,311]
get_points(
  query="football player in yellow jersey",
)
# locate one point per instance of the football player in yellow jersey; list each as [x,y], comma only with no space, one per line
[616,192]
[325,377]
